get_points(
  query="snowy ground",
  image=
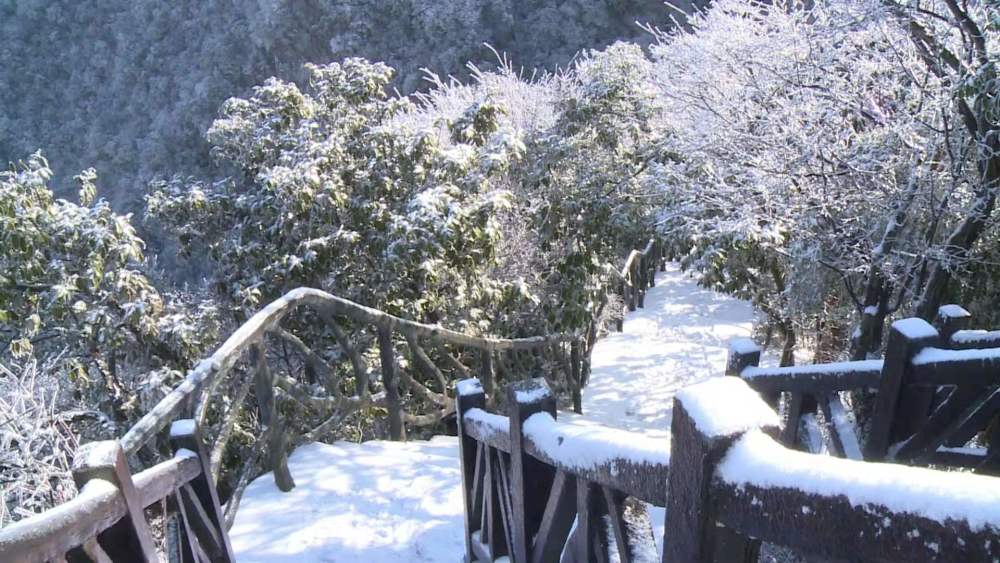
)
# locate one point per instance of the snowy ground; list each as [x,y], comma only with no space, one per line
[381,502]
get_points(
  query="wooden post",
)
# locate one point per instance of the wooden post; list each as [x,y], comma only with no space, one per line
[588,523]
[951,319]
[129,539]
[899,411]
[199,500]
[743,352]
[270,421]
[691,533]
[633,285]
[486,373]
[577,367]
[530,479]
[641,281]
[620,317]
[469,394]
[390,381]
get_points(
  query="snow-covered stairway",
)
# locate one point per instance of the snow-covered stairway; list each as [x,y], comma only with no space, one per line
[387,502]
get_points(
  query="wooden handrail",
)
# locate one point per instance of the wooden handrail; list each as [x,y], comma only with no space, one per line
[268,318]
[934,394]
[728,486]
[109,508]
[99,505]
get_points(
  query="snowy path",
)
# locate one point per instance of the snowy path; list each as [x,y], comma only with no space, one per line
[382,502]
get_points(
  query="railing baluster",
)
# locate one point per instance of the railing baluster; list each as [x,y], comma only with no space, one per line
[486,373]
[530,479]
[469,395]
[577,376]
[129,539]
[893,417]
[390,381]
[199,498]
[270,420]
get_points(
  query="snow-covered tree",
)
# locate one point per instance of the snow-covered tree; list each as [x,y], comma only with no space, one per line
[334,193]
[818,161]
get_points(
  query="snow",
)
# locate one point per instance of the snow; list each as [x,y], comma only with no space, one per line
[953,311]
[914,328]
[183,427]
[468,387]
[682,336]
[377,502]
[971,336]
[743,346]
[756,459]
[532,395]
[723,406]
[844,423]
[590,446]
[492,422]
[938,355]
[813,369]
[381,502]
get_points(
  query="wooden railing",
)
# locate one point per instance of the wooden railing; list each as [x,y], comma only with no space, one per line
[935,390]
[309,353]
[107,521]
[534,488]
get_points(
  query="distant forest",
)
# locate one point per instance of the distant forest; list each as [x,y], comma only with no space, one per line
[131,86]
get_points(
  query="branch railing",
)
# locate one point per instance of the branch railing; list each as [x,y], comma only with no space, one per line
[358,359]
[310,353]
[538,490]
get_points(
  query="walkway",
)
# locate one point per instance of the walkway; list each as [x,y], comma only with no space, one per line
[383,502]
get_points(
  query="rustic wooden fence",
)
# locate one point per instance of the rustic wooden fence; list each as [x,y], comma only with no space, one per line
[538,490]
[309,354]
[935,390]
[107,520]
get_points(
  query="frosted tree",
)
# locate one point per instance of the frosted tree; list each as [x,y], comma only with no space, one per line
[817,161]
[334,192]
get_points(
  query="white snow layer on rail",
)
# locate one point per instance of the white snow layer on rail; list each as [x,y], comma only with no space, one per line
[756,459]
[914,328]
[974,336]
[496,423]
[723,406]
[813,369]
[587,447]
[938,355]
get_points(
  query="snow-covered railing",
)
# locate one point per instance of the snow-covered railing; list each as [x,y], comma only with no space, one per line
[266,370]
[934,395]
[535,488]
[732,485]
[107,520]
[807,389]
[527,478]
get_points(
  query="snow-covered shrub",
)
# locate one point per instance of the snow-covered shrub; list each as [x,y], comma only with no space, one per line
[329,195]
[40,427]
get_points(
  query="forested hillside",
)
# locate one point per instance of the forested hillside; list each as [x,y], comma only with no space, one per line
[129,87]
